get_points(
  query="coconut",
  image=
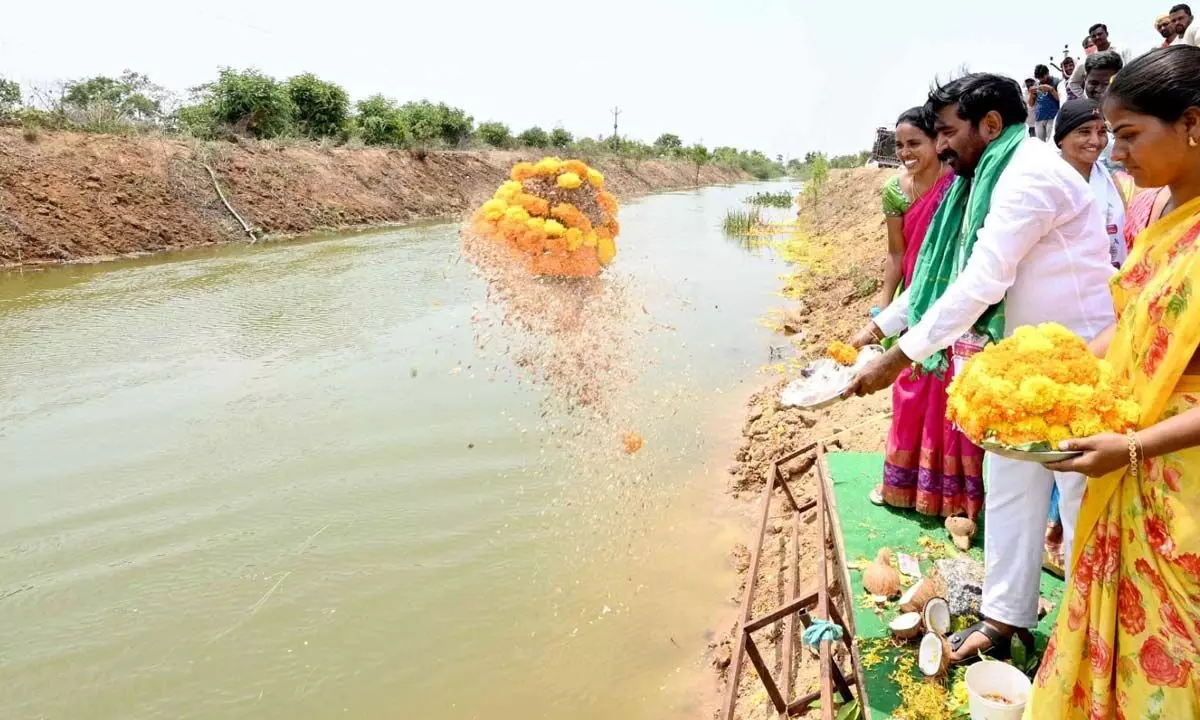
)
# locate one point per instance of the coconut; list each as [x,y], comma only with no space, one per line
[937,616]
[880,578]
[933,658]
[961,531]
[906,627]
[921,592]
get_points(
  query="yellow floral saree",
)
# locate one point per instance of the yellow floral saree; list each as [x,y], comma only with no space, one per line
[1127,637]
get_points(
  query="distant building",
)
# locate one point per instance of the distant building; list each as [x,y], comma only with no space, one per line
[883,152]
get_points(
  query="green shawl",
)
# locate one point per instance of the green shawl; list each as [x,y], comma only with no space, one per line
[951,237]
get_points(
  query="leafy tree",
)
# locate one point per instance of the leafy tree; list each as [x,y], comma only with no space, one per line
[698,154]
[495,134]
[534,137]
[10,97]
[321,108]
[131,97]
[667,143]
[424,123]
[379,121]
[252,102]
[560,138]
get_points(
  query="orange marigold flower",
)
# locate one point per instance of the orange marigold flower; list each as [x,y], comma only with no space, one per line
[522,171]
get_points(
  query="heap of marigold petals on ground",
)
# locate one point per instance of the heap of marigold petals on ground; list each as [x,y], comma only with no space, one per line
[557,215]
[1040,385]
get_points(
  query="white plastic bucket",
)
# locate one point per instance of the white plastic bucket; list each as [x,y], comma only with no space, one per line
[996,678]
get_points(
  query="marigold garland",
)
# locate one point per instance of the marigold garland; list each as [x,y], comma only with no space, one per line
[556,214]
[1040,385]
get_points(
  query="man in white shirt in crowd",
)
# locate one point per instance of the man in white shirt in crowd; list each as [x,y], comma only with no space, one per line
[1042,250]
[1099,35]
[1185,29]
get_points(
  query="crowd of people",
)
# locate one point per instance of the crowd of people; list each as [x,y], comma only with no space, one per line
[1074,201]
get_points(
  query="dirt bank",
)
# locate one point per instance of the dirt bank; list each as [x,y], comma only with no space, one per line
[71,197]
[839,253]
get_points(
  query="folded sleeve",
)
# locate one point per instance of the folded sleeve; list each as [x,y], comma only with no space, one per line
[893,318]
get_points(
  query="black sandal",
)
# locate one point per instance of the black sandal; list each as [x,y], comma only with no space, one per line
[1001,648]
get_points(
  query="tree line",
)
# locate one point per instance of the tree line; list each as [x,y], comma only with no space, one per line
[249,103]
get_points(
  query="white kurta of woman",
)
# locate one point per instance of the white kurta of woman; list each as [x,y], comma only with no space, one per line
[1044,251]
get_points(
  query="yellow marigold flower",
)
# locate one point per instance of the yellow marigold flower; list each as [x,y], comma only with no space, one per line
[494,215]
[493,204]
[1040,385]
[578,167]
[574,239]
[547,166]
[508,189]
[842,353]
[590,240]
[606,250]
[595,177]
[555,229]
[536,223]
[516,214]
[522,171]
[569,180]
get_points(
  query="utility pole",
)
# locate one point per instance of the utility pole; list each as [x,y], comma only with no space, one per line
[616,112]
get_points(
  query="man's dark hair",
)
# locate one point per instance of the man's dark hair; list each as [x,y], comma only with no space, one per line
[1182,6]
[1097,26]
[978,94]
[1087,40]
[1041,71]
[1107,60]
[1163,83]
[920,118]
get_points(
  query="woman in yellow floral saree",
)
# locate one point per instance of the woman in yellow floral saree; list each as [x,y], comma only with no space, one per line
[1127,641]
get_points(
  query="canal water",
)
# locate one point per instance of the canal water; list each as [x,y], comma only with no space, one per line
[294,481]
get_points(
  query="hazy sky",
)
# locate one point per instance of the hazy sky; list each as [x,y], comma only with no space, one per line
[783,76]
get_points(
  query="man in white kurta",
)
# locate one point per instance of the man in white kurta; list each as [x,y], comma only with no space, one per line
[1044,251]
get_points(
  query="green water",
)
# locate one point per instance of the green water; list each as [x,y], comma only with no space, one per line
[286,482]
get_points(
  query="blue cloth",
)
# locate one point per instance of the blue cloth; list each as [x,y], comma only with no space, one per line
[1046,107]
[820,631]
[1054,514]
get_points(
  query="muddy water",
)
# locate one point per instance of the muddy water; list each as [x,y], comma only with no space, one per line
[285,482]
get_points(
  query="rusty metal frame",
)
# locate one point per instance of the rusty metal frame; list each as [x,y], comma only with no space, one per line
[799,606]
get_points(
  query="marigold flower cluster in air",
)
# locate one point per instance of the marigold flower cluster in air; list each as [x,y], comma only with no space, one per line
[1040,385]
[557,215]
[842,353]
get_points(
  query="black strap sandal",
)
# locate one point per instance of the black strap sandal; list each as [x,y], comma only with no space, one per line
[1001,648]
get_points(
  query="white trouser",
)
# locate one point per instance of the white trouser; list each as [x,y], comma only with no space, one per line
[1015,510]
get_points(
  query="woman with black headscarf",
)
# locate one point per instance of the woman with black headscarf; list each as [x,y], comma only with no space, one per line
[1081,136]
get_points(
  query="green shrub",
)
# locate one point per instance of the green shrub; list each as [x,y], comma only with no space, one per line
[321,108]
[378,122]
[560,138]
[10,98]
[534,137]
[424,124]
[668,144]
[196,120]
[252,103]
[495,134]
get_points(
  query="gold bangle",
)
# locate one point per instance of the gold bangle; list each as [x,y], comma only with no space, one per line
[876,332]
[1135,448]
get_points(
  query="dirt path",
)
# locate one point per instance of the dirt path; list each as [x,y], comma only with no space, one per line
[840,254]
[82,197]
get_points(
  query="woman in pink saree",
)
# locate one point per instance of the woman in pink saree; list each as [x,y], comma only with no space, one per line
[929,466]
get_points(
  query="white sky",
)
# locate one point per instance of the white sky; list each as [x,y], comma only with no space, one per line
[782,76]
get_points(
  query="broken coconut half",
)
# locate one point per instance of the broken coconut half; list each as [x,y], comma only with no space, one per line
[937,616]
[961,530]
[934,656]
[906,627]
[916,597]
